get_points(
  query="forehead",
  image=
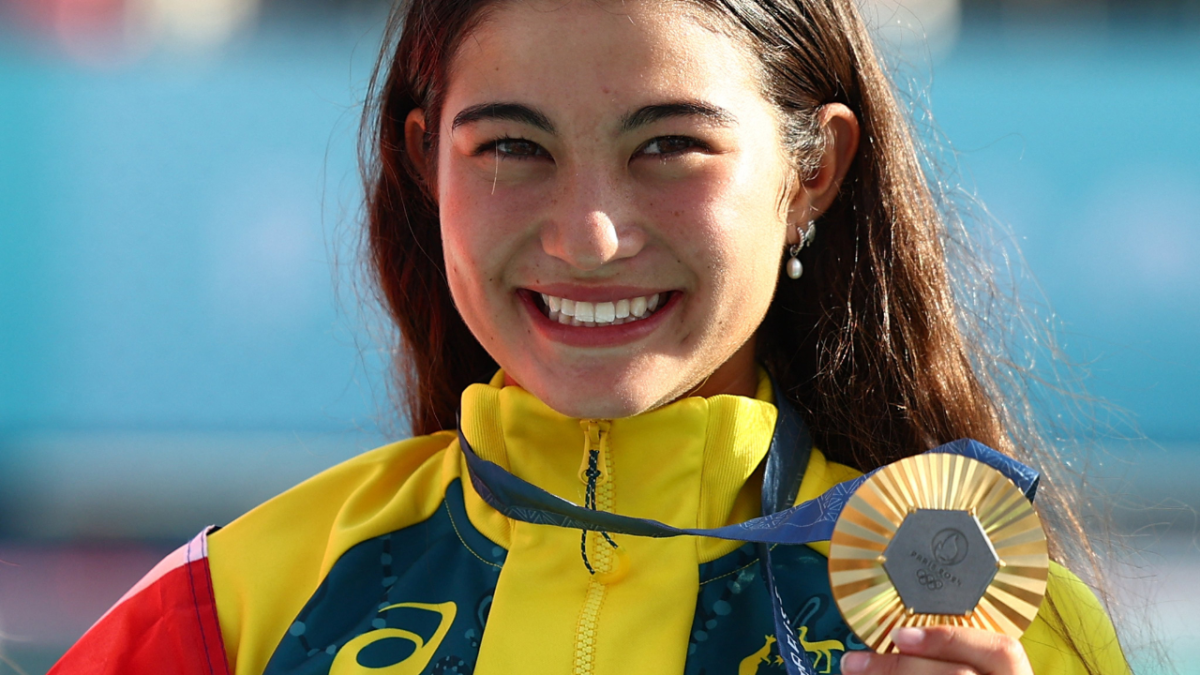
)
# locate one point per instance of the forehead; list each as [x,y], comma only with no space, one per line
[601,52]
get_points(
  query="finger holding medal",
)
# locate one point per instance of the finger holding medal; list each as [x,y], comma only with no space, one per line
[943,650]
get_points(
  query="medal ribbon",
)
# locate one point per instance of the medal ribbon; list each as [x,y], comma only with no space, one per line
[780,523]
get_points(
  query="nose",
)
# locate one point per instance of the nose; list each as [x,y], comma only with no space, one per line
[591,224]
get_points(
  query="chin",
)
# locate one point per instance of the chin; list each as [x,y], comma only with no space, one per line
[595,402]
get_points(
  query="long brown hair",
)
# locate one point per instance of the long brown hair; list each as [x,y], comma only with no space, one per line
[873,345]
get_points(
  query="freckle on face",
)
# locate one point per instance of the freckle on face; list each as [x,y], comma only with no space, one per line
[701,224]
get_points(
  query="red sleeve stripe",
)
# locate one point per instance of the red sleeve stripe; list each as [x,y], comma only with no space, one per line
[194,550]
[166,623]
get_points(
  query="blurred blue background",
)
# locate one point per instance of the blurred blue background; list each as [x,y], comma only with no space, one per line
[184,331]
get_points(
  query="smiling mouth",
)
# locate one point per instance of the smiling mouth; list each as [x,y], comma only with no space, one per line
[599,314]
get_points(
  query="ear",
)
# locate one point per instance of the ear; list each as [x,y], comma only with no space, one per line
[414,140]
[817,191]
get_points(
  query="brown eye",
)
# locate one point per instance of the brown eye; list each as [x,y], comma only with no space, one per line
[518,148]
[669,145]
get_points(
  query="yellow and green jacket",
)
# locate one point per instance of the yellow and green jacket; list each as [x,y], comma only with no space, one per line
[392,564]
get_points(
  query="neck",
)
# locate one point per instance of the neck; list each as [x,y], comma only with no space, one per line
[737,376]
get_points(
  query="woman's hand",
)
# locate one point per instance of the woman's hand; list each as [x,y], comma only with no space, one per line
[943,650]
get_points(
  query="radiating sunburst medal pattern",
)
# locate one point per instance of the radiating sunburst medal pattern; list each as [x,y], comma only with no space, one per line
[862,589]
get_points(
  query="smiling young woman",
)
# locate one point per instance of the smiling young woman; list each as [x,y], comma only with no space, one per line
[645,168]
[650,230]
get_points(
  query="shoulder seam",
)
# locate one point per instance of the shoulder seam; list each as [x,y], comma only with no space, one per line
[462,540]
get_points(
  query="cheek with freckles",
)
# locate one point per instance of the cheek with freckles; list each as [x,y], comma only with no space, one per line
[729,233]
[472,275]
[483,233]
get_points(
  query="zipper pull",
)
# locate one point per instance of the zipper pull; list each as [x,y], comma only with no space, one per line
[595,440]
[595,437]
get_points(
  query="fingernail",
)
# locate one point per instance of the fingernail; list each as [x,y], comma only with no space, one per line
[908,637]
[855,662]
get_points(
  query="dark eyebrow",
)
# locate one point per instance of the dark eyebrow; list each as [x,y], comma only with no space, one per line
[655,113]
[513,112]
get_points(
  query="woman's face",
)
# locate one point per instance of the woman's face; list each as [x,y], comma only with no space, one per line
[614,200]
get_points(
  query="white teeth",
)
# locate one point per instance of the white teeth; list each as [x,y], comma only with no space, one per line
[585,311]
[606,312]
[582,313]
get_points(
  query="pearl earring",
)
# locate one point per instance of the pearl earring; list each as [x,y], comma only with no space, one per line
[794,269]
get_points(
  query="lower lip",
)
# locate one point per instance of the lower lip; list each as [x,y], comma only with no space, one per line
[597,336]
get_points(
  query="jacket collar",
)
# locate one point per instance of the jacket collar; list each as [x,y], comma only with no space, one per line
[696,462]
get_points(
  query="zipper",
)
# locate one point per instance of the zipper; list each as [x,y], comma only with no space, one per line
[606,561]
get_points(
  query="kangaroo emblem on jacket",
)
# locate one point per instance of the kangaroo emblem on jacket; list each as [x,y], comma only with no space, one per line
[749,665]
[822,648]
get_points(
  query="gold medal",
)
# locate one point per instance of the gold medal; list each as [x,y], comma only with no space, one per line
[937,539]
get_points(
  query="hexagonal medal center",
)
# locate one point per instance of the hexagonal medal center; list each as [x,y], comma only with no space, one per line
[940,561]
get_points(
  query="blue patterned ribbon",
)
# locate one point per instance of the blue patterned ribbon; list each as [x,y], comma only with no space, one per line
[787,458]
